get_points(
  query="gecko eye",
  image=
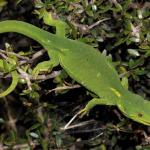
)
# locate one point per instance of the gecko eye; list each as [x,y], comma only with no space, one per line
[140,115]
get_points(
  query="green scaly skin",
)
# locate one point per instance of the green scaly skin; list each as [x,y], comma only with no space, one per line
[77,59]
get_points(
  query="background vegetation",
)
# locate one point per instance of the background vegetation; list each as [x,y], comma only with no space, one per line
[34,120]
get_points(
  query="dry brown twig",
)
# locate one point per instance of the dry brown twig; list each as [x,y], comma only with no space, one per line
[64,88]
[15,54]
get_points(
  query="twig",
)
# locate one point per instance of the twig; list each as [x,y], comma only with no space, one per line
[40,77]
[78,125]
[11,120]
[24,59]
[3,56]
[71,120]
[19,146]
[38,54]
[137,5]
[15,54]
[97,136]
[147,138]
[86,131]
[64,88]
[97,23]
[25,76]
[86,28]
[46,77]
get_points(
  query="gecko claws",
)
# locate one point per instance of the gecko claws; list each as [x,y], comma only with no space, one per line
[83,112]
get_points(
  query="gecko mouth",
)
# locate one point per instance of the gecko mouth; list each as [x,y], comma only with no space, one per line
[138,119]
[145,122]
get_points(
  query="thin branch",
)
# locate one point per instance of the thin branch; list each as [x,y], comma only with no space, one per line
[86,131]
[40,77]
[86,28]
[48,76]
[78,125]
[38,54]
[97,23]
[64,88]
[25,76]
[19,146]
[15,54]
[24,59]
[3,56]
[71,120]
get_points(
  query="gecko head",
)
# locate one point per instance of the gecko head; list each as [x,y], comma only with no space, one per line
[136,108]
[141,117]
[138,116]
[142,113]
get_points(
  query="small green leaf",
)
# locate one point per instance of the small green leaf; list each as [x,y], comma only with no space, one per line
[3,3]
[133,52]
[34,135]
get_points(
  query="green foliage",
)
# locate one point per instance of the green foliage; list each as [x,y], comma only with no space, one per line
[125,35]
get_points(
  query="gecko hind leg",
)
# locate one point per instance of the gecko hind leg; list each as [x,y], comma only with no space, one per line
[88,107]
[96,101]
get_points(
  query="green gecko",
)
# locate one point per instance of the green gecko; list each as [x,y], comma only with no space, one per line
[88,67]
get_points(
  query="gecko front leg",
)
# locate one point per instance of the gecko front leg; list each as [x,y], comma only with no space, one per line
[47,66]
[52,52]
